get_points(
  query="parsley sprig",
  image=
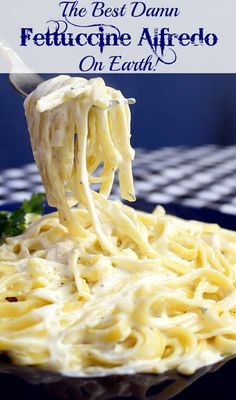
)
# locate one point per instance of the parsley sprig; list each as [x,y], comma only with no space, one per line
[13,223]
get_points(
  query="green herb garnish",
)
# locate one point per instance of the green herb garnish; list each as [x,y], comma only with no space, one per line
[13,223]
[35,204]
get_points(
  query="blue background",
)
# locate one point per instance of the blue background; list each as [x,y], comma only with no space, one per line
[171,109]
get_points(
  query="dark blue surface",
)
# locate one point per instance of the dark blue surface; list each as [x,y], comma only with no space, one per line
[171,109]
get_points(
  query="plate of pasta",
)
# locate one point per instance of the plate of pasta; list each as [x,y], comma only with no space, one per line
[33,381]
[98,288]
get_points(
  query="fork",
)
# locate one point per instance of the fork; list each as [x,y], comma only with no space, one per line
[25,80]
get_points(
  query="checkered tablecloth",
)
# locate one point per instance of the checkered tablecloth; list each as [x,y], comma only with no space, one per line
[197,177]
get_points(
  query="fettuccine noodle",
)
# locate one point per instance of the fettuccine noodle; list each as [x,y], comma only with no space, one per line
[99,288]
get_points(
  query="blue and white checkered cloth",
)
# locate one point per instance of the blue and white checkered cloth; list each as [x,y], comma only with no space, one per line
[197,177]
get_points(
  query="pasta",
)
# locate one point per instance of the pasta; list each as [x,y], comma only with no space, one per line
[97,287]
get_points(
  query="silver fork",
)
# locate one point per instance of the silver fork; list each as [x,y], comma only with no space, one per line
[25,81]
